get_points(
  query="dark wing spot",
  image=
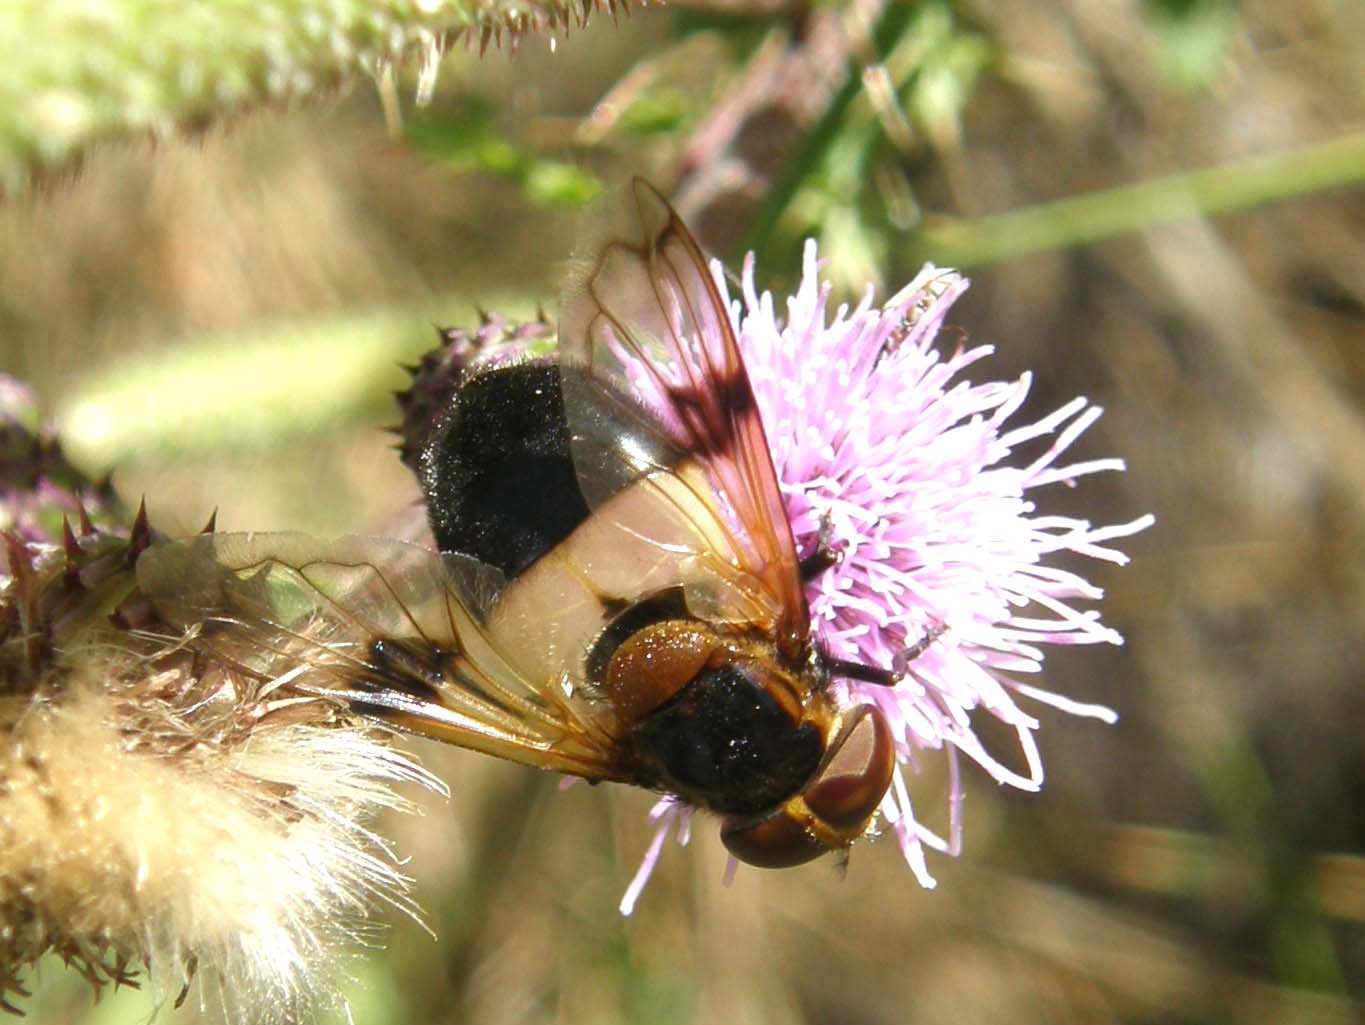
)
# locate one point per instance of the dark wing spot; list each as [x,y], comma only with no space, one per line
[709,416]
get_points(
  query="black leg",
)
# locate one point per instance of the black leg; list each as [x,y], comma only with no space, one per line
[858,671]
[824,556]
[900,665]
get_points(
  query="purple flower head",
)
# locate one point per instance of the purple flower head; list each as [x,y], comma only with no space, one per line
[906,470]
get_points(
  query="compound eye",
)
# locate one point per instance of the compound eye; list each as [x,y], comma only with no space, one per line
[851,784]
[779,841]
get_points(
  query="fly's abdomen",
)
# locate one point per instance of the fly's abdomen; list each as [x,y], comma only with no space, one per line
[502,472]
[498,474]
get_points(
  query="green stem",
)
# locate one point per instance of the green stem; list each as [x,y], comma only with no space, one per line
[825,133]
[1132,208]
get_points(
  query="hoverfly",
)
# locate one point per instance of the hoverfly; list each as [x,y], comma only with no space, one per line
[617,594]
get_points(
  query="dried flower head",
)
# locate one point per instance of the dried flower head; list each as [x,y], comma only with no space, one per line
[159,815]
[907,473]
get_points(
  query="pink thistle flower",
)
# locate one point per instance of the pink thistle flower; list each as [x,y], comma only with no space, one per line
[906,467]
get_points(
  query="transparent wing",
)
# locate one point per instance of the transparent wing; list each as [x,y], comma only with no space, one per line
[394,629]
[643,313]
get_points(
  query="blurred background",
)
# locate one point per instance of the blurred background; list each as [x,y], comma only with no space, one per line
[220,322]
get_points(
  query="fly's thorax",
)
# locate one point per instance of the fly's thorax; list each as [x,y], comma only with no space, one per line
[712,715]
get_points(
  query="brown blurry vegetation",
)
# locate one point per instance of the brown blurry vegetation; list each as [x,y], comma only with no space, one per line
[1202,861]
